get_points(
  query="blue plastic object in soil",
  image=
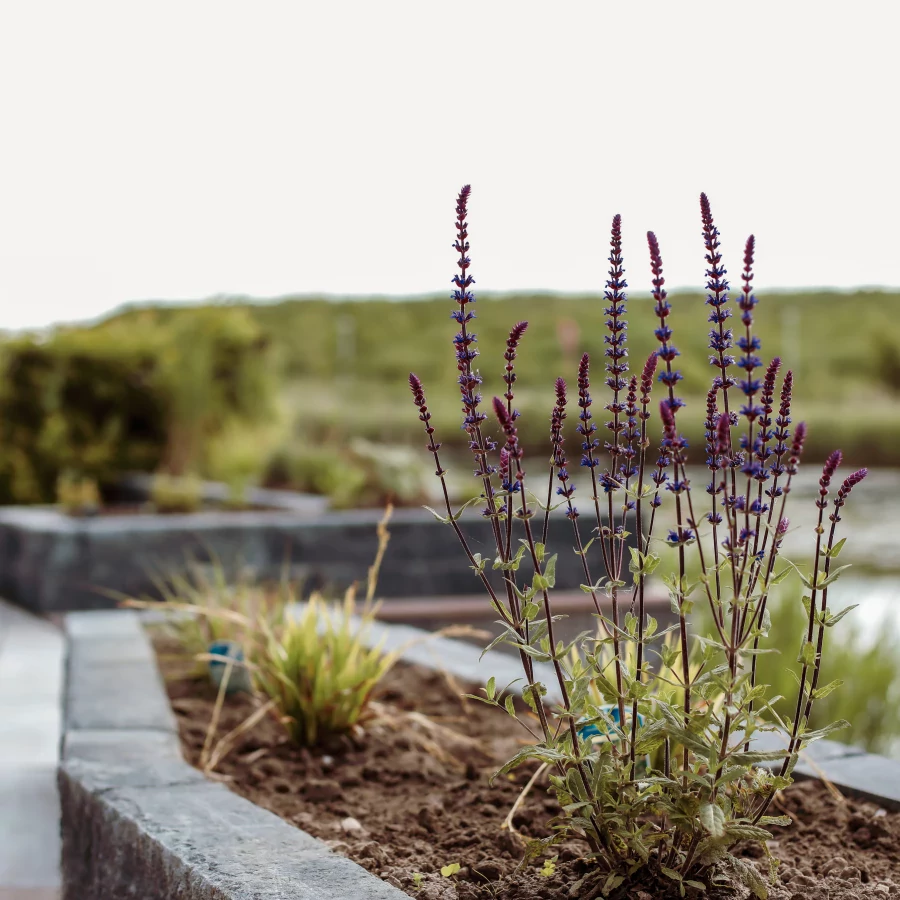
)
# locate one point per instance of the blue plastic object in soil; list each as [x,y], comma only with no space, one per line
[595,732]
[239,679]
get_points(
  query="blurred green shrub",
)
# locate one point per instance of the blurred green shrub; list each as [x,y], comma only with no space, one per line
[361,474]
[78,496]
[869,698]
[176,494]
[142,394]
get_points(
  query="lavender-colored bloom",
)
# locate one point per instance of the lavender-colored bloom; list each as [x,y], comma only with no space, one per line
[781,433]
[418,392]
[464,342]
[647,374]
[717,297]
[748,343]
[840,499]
[586,427]
[631,432]
[680,536]
[756,464]
[828,470]
[509,375]
[616,352]
[723,435]
[850,482]
[667,351]
[796,448]
[560,462]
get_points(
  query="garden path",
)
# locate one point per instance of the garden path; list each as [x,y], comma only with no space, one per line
[31,661]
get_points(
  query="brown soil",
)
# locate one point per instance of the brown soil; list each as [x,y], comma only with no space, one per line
[406,798]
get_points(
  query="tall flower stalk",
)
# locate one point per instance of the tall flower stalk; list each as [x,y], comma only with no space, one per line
[624,696]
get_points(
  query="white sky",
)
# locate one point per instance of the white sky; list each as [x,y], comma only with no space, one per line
[181,150]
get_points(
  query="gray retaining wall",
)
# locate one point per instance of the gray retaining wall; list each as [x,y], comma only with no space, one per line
[138,821]
[51,562]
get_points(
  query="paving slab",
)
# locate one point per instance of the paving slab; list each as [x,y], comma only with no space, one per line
[31,663]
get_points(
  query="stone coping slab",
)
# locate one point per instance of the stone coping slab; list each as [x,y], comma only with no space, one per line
[136,817]
[51,562]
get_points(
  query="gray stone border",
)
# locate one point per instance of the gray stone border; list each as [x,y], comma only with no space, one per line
[51,562]
[135,816]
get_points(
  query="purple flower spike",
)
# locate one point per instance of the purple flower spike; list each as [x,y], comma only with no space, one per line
[797,448]
[831,465]
[616,353]
[647,374]
[512,345]
[557,417]
[464,342]
[840,499]
[723,435]
[560,388]
[667,352]
[418,392]
[717,286]
[668,420]
[850,482]
[586,427]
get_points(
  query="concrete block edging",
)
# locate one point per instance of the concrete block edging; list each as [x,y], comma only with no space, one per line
[137,820]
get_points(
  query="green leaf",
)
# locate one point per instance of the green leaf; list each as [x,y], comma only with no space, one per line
[670,873]
[824,580]
[777,579]
[776,820]
[831,621]
[748,832]
[510,705]
[451,870]
[809,736]
[534,751]
[539,551]
[835,551]
[528,694]
[807,654]
[444,520]
[821,692]
[712,818]
[752,757]
[550,570]
[491,688]
[749,876]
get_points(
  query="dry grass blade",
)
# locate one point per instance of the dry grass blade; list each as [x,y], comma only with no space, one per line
[227,742]
[217,712]
[820,774]
[508,821]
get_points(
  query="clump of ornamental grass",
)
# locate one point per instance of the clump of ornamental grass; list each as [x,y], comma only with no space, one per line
[650,735]
[311,664]
[319,667]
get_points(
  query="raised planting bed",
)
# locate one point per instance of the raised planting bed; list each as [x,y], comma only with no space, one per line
[139,821]
[53,562]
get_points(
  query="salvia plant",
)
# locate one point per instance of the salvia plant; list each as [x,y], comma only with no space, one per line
[649,734]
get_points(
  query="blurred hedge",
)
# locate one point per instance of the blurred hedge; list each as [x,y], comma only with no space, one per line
[144,394]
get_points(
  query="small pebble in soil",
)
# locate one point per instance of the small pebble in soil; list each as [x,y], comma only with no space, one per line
[351,825]
[837,863]
[322,789]
[488,870]
[849,873]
